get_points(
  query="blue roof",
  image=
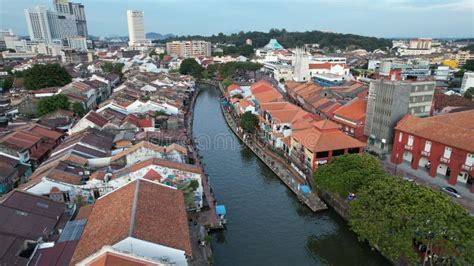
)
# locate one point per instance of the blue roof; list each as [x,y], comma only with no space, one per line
[274,45]
[305,189]
[220,210]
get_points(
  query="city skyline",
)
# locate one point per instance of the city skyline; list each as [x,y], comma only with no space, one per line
[414,18]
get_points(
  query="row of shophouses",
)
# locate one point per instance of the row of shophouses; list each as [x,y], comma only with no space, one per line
[310,125]
[305,138]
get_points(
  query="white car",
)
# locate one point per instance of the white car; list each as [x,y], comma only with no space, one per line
[451,191]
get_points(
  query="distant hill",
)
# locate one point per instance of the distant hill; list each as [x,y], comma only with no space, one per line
[158,36]
[293,39]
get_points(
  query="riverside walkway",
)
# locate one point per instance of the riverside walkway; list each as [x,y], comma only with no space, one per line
[278,166]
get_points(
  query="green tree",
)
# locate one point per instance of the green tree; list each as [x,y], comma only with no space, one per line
[79,200]
[227,82]
[43,76]
[193,185]
[8,82]
[390,213]
[160,113]
[355,72]
[469,65]
[293,39]
[152,53]
[53,103]
[245,50]
[348,173]
[230,69]
[230,50]
[469,93]
[78,109]
[469,48]
[191,67]
[248,121]
[115,68]
[459,74]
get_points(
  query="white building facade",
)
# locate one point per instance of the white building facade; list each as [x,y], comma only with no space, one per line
[467,82]
[136,27]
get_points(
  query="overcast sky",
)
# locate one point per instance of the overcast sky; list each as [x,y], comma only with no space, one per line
[380,18]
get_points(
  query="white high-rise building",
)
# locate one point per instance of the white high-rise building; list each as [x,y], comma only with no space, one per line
[467,82]
[77,43]
[42,24]
[136,27]
[46,26]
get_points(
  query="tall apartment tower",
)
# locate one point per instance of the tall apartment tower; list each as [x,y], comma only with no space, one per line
[390,101]
[136,27]
[76,10]
[43,24]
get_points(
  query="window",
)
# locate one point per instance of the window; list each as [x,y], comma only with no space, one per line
[470,159]
[410,140]
[400,136]
[428,146]
[447,152]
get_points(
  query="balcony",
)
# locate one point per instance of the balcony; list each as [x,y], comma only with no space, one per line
[425,153]
[408,147]
[467,167]
[444,160]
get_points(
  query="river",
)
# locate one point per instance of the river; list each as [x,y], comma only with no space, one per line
[266,223]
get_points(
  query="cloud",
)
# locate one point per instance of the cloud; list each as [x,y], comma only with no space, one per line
[416,5]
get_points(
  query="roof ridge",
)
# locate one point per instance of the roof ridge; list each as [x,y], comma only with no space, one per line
[134,208]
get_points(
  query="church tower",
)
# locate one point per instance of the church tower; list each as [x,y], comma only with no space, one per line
[301,66]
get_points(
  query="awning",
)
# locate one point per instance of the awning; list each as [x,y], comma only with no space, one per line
[220,210]
[305,189]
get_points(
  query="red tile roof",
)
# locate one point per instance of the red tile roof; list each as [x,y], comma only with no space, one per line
[325,136]
[245,103]
[353,110]
[141,209]
[145,123]
[23,139]
[96,118]
[326,65]
[152,175]
[232,87]
[81,86]
[453,129]
[261,86]
[267,96]
[45,132]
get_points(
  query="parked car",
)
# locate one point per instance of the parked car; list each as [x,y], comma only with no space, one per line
[409,179]
[451,191]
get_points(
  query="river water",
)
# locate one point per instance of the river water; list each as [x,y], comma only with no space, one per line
[266,224]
